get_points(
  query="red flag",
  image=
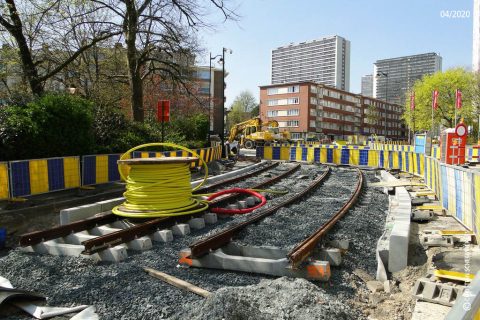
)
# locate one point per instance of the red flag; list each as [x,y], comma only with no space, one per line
[435,100]
[163,111]
[412,101]
[458,99]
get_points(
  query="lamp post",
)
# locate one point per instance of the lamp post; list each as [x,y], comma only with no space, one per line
[386,97]
[211,105]
[222,136]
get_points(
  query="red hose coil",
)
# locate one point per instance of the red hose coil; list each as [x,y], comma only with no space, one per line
[237,211]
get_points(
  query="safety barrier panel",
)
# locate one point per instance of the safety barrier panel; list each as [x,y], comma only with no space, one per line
[472,154]
[98,169]
[4,191]
[329,146]
[392,147]
[29,177]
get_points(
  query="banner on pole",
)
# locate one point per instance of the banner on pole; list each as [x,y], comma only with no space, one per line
[435,100]
[458,99]
[163,111]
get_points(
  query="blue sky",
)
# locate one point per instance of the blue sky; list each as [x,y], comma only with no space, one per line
[377,29]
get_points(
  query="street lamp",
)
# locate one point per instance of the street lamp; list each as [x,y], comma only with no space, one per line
[386,97]
[211,105]
[223,100]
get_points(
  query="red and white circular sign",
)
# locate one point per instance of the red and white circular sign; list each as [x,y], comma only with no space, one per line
[461,129]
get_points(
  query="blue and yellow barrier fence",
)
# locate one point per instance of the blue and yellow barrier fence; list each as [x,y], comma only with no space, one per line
[29,177]
[4,181]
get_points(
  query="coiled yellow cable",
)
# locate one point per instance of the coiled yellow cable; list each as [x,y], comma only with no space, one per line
[160,190]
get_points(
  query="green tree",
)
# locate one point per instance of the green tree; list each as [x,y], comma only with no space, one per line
[241,108]
[446,83]
[372,115]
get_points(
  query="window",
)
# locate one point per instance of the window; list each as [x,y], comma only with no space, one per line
[292,123]
[313,112]
[293,89]
[313,100]
[312,123]
[282,102]
[293,101]
[296,135]
[272,91]
[313,89]
[272,113]
[293,112]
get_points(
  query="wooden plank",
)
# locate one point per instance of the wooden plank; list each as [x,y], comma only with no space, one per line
[178,282]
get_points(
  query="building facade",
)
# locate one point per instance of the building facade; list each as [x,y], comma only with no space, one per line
[325,61]
[210,90]
[308,108]
[367,85]
[394,77]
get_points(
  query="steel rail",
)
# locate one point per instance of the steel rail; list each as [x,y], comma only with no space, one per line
[298,254]
[37,237]
[223,237]
[122,236]
[237,178]
[229,198]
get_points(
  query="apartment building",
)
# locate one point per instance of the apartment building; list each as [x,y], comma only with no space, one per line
[325,60]
[308,108]
[367,85]
[394,77]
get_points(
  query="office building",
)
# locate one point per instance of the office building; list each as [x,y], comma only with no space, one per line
[367,85]
[308,108]
[394,77]
[325,60]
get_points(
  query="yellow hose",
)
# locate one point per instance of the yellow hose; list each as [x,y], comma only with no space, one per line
[160,190]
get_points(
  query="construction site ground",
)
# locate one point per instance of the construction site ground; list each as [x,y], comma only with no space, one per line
[124,291]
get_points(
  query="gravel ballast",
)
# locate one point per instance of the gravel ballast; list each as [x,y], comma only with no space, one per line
[125,291]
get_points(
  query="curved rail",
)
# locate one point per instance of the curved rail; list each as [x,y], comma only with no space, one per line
[305,248]
[223,237]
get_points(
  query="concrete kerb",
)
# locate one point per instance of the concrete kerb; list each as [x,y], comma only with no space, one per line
[392,247]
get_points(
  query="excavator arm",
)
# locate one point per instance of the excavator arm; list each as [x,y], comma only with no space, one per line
[240,127]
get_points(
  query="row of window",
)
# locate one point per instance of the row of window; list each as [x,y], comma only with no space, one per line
[283,90]
[288,124]
[338,106]
[283,113]
[282,102]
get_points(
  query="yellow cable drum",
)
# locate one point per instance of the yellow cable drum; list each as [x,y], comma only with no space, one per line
[159,187]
